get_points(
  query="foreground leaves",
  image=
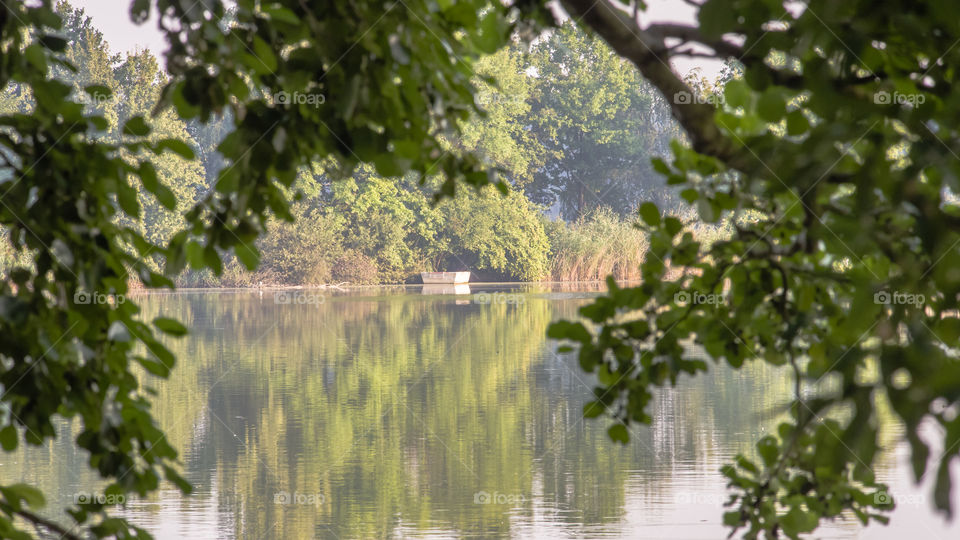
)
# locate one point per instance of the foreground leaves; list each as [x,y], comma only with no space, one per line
[71,171]
[829,160]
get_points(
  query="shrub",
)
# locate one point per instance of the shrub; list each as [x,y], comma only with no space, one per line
[299,253]
[356,268]
[500,235]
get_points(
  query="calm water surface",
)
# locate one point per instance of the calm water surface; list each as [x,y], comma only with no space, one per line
[409,413]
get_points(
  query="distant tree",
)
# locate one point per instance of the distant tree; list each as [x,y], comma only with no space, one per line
[502,135]
[92,61]
[591,113]
[138,83]
[503,237]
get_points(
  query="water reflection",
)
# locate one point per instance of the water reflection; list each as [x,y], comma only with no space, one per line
[460,288]
[393,412]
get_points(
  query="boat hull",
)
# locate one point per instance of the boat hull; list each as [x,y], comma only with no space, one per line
[445,277]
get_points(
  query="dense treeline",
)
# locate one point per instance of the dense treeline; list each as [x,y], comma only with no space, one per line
[570,126]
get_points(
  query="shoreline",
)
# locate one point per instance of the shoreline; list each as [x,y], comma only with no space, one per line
[346,287]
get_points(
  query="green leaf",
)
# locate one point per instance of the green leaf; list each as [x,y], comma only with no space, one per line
[23,492]
[264,53]
[737,94]
[673,226]
[619,433]
[139,11]
[717,17]
[212,259]
[185,107]
[797,123]
[771,106]
[176,146]
[768,449]
[248,255]
[174,477]
[136,126]
[170,326]
[98,92]
[568,330]
[798,521]
[593,409]
[54,43]
[707,210]
[747,465]
[941,489]
[491,34]
[650,214]
[165,196]
[9,438]
[160,352]
[127,197]
[36,56]
[154,367]
[278,13]
[731,519]
[661,166]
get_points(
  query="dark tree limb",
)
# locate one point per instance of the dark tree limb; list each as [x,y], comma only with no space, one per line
[688,34]
[648,52]
[44,523]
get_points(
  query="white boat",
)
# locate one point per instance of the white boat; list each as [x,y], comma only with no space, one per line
[445,277]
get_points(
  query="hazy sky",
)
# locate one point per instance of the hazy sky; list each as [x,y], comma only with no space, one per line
[112,17]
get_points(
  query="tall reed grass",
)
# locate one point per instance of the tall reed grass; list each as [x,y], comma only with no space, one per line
[596,246]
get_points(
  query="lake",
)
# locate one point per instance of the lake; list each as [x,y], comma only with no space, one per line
[399,412]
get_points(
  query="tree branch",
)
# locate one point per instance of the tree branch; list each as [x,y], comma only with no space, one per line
[691,33]
[644,50]
[45,523]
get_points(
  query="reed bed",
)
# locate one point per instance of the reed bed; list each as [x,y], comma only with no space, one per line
[596,246]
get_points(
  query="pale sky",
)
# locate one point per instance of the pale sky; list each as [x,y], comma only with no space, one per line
[112,17]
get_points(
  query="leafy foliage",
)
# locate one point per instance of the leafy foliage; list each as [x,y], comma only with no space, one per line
[70,344]
[597,123]
[841,264]
[77,179]
[832,158]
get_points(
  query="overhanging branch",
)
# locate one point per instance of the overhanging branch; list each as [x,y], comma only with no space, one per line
[689,34]
[647,50]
